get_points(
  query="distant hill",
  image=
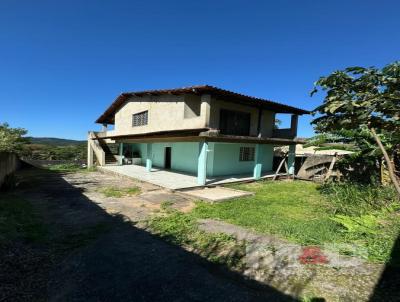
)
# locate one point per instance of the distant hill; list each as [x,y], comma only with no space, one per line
[53,141]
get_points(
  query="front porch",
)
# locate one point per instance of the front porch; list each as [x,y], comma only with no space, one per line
[177,180]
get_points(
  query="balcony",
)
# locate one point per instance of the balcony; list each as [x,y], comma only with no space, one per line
[288,133]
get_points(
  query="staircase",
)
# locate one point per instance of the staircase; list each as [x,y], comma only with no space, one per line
[100,149]
[108,153]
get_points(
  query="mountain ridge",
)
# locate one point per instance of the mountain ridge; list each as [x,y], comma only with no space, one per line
[55,141]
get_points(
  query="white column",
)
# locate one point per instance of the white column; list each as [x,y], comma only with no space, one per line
[202,164]
[149,157]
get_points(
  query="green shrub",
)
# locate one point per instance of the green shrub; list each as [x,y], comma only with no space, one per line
[366,214]
[365,224]
[355,199]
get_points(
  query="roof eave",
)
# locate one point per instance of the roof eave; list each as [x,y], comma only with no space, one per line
[107,118]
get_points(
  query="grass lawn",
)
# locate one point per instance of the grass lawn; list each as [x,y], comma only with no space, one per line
[65,168]
[291,210]
[298,212]
[19,221]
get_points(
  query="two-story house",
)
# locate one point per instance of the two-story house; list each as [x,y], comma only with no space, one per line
[199,130]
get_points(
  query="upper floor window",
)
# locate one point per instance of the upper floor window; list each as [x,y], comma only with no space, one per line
[246,154]
[140,119]
[234,122]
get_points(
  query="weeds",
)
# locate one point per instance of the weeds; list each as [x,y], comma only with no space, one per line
[18,221]
[307,214]
[72,167]
[166,205]
[182,229]
[120,192]
[354,199]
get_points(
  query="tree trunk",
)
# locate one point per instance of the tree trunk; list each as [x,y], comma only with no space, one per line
[389,163]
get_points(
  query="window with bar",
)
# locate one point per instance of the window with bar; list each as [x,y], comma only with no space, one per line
[140,119]
[246,154]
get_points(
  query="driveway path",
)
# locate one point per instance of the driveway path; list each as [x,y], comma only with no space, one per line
[97,256]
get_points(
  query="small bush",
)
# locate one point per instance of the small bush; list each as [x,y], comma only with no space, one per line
[355,199]
[363,225]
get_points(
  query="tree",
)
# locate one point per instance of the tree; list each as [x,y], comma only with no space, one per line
[363,99]
[11,139]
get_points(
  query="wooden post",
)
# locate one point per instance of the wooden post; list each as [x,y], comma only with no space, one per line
[283,161]
[332,164]
[389,163]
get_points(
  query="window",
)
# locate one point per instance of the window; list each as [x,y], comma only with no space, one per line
[234,122]
[246,154]
[140,119]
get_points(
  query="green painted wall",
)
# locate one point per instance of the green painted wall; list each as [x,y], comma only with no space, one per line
[158,154]
[184,157]
[222,158]
[267,157]
[226,159]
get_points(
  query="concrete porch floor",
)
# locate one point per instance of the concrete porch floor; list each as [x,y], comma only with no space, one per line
[176,180]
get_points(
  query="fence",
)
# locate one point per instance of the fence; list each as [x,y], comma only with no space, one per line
[9,163]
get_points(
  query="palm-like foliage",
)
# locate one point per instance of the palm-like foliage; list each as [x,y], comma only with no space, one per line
[363,104]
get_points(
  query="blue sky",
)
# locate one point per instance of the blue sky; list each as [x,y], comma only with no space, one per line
[63,62]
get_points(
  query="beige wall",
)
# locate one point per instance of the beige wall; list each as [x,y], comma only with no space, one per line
[267,123]
[173,112]
[165,113]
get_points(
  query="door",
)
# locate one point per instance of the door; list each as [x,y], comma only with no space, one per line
[167,163]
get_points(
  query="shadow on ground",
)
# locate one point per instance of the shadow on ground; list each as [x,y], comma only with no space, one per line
[388,287]
[95,256]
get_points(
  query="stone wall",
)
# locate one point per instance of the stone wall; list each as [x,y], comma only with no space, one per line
[9,163]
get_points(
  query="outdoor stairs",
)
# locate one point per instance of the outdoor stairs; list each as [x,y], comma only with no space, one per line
[109,155]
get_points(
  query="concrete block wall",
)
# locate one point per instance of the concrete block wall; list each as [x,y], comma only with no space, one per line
[9,163]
